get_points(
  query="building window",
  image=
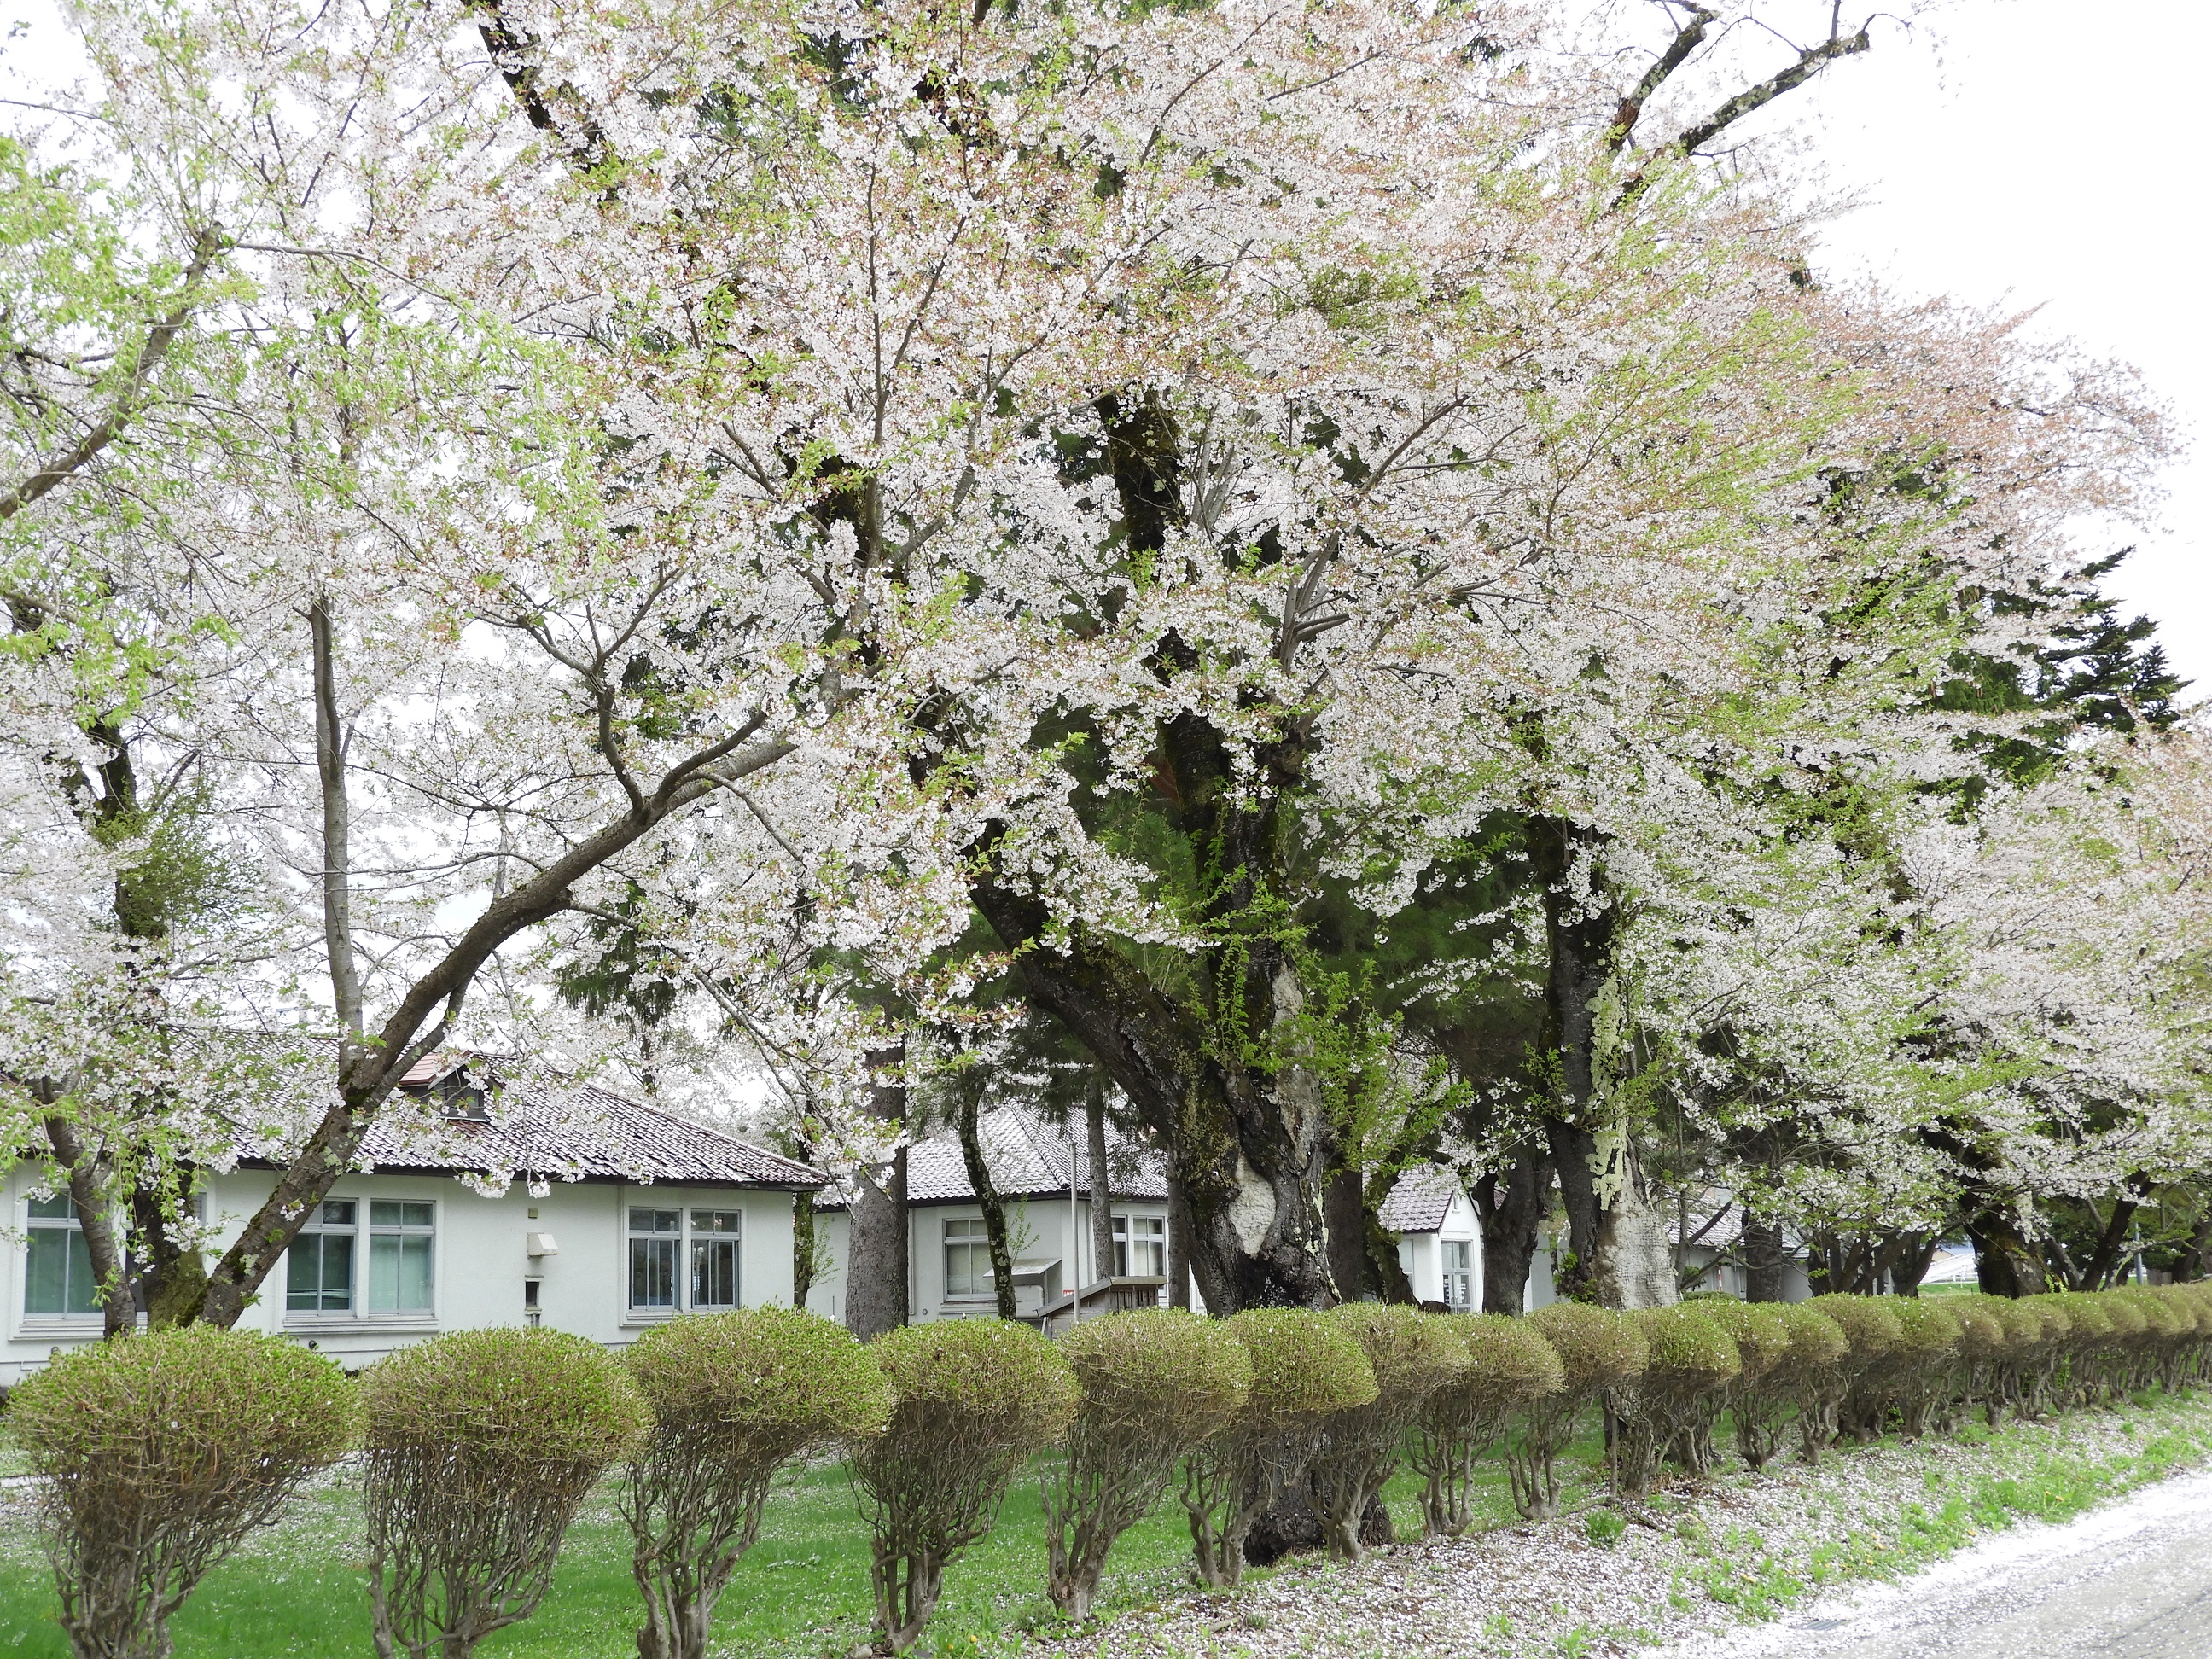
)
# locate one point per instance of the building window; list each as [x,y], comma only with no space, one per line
[1140,1247]
[714,1258]
[319,1272]
[58,1279]
[654,1238]
[967,1258]
[1459,1273]
[401,1245]
[400,1236]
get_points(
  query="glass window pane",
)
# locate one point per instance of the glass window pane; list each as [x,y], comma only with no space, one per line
[45,1278]
[967,1270]
[318,1275]
[715,1273]
[414,1215]
[399,1274]
[714,1221]
[656,1221]
[414,1273]
[59,1207]
[653,1272]
[82,1285]
[337,1212]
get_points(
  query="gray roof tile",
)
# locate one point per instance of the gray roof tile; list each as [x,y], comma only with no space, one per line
[539,1124]
[1421,1200]
[1028,1159]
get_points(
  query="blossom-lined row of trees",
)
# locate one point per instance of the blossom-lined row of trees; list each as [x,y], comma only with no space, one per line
[1316,564]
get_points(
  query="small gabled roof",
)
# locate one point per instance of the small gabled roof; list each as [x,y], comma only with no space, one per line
[1420,1201]
[1028,1158]
[538,1125]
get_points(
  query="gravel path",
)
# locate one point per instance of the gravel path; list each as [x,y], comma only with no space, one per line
[1697,1562]
[2132,1582]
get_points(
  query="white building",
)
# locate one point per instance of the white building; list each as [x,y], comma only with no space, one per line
[624,1218]
[1439,1245]
[1042,1175]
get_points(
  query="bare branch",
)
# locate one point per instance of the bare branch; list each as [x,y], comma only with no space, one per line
[1686,41]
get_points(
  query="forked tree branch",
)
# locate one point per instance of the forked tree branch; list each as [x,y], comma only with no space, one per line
[129,398]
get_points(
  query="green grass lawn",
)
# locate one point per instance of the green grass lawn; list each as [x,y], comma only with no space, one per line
[802,1590]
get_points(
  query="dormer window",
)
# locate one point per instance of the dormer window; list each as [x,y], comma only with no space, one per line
[459,1095]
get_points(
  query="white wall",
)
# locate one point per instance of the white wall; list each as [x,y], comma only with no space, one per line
[1421,1255]
[478,1262]
[1041,1229]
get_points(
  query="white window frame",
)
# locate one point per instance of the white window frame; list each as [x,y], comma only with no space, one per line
[364,1230]
[94,1321]
[691,1242]
[1457,1278]
[1127,1240]
[976,1246]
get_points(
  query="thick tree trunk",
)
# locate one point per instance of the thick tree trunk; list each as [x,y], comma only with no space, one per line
[2005,1262]
[2105,1262]
[1907,1257]
[1178,1244]
[1247,1145]
[1763,1258]
[1510,1209]
[1344,1212]
[1384,1274]
[2189,1263]
[1617,1241]
[1102,1182]
[876,1268]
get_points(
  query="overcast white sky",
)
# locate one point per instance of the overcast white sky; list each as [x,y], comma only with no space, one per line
[2052,152]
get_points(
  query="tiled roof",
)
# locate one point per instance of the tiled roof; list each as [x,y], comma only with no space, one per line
[538,1124]
[1421,1200]
[1028,1159]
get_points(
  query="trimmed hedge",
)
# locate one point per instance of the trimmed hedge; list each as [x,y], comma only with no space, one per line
[1415,1355]
[975,1399]
[734,1396]
[480,1446]
[1155,1386]
[159,1453]
[1305,1369]
[1690,1361]
[1510,1366]
[1598,1349]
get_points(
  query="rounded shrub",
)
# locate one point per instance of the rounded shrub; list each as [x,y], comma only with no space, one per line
[1598,1349]
[479,1447]
[1690,1361]
[158,1453]
[1305,1368]
[2092,1346]
[1918,1374]
[1758,1397]
[1811,1380]
[1414,1354]
[1153,1386]
[734,1396]
[1509,1364]
[1977,1374]
[1852,1396]
[973,1399]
